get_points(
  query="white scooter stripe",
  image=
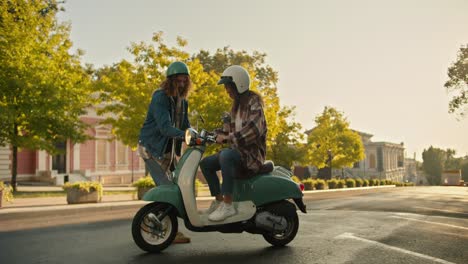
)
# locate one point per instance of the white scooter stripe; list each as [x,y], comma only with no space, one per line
[352,236]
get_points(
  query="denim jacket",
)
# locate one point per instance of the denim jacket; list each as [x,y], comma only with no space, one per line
[159,125]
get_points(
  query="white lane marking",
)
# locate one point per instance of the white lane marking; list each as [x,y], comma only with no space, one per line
[352,236]
[429,222]
[440,210]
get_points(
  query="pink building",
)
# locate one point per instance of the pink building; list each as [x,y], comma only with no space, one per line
[102,159]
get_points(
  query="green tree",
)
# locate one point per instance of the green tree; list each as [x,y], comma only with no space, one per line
[43,88]
[433,164]
[458,82]
[464,169]
[126,88]
[288,149]
[332,135]
[451,162]
[282,129]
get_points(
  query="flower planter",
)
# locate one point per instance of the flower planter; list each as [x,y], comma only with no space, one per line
[142,191]
[76,196]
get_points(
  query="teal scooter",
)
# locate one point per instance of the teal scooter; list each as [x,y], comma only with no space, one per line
[262,202]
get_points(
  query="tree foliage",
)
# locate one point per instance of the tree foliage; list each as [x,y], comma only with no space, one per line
[436,160]
[433,164]
[458,82]
[452,162]
[43,88]
[464,170]
[126,87]
[283,132]
[288,149]
[332,134]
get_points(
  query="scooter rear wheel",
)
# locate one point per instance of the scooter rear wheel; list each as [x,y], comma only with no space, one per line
[288,211]
[150,231]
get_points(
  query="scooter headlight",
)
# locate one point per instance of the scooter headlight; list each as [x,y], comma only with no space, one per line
[190,136]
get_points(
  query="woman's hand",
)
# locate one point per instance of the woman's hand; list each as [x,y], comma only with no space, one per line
[221,138]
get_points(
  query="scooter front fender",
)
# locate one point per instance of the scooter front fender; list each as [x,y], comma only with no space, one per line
[168,193]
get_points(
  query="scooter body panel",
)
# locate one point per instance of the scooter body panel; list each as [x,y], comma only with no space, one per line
[185,178]
[264,189]
[168,193]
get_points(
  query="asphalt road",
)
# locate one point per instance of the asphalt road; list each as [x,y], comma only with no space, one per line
[400,225]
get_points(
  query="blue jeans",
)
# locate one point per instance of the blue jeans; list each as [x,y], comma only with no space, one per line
[159,175]
[229,162]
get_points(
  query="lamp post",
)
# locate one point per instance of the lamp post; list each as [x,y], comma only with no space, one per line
[132,164]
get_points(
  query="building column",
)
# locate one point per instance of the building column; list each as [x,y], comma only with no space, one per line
[76,157]
[41,160]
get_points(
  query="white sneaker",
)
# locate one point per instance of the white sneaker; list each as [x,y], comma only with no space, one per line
[222,212]
[214,205]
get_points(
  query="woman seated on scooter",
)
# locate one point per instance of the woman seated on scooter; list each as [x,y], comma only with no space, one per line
[246,135]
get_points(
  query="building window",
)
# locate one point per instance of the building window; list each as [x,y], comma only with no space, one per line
[356,165]
[101,154]
[400,161]
[122,154]
[102,148]
[371,161]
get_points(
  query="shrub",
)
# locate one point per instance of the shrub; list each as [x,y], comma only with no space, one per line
[359,182]
[332,183]
[198,183]
[350,183]
[340,183]
[7,192]
[409,183]
[383,182]
[308,184]
[85,187]
[145,182]
[320,184]
[365,183]
[296,179]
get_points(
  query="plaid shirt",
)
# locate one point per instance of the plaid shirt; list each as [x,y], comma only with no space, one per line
[250,141]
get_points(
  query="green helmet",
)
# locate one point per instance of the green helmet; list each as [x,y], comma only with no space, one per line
[177,67]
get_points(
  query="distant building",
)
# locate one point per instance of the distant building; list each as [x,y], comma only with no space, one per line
[5,162]
[383,160]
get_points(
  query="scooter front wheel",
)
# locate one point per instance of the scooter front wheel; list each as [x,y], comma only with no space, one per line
[154,227]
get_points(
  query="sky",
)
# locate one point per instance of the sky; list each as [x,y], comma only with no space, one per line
[383,63]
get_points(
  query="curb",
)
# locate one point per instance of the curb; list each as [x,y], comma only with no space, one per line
[348,189]
[15,213]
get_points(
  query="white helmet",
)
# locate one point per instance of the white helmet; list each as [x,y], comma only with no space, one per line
[238,75]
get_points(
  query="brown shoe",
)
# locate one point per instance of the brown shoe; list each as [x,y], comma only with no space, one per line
[181,239]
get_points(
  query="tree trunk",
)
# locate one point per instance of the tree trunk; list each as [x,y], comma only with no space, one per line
[14,166]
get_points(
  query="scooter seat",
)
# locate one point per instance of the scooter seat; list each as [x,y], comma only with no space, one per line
[267,167]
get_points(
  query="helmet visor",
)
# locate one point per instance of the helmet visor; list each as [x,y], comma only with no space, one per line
[225,79]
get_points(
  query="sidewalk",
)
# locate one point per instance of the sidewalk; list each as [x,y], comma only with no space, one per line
[22,207]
